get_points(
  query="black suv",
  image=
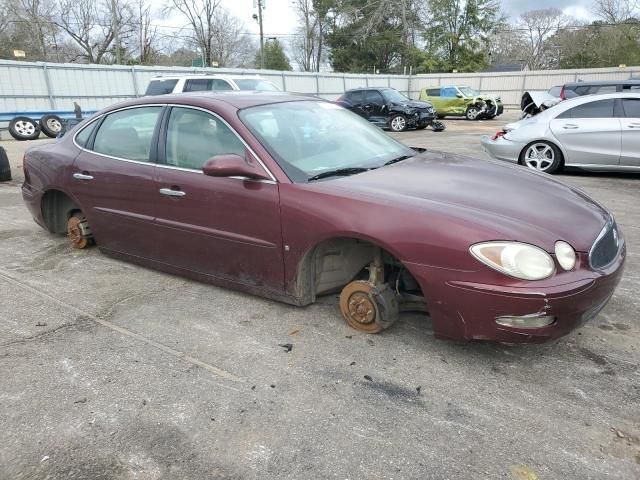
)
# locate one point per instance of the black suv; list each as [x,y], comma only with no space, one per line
[388,108]
[577,89]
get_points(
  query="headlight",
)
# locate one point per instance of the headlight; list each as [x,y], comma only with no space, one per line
[515,259]
[566,255]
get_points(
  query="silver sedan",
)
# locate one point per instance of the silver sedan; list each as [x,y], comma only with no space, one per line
[595,132]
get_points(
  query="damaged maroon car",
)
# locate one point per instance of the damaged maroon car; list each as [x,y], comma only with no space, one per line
[291,197]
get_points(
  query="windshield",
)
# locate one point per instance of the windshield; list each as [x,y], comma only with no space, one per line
[469,92]
[394,96]
[255,84]
[309,138]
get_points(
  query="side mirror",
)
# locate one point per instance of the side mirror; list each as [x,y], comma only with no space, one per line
[459,95]
[232,165]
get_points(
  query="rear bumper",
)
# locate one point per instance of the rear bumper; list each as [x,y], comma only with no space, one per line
[33,199]
[463,307]
[501,148]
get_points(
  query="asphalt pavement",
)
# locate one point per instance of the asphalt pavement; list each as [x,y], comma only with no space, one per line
[113,371]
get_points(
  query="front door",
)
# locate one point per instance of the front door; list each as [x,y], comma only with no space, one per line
[222,226]
[113,180]
[375,107]
[630,124]
[589,133]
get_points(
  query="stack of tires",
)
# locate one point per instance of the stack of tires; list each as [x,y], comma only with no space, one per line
[25,128]
[5,168]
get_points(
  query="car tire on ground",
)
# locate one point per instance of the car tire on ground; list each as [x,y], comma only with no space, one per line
[51,125]
[398,123]
[5,168]
[472,113]
[541,156]
[23,128]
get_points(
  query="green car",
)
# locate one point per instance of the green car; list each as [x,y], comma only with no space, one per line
[460,100]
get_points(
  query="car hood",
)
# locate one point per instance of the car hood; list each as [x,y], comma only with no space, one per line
[413,104]
[500,201]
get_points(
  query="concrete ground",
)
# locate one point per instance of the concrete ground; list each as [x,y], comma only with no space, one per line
[113,371]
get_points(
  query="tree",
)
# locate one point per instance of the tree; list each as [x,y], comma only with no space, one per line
[93,26]
[363,34]
[201,16]
[457,31]
[231,46]
[274,56]
[147,33]
[615,11]
[538,27]
[306,45]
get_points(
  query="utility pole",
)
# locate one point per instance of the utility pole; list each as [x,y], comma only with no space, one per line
[260,7]
[116,30]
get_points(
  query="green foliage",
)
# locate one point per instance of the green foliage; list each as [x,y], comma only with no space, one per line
[274,56]
[458,30]
[599,45]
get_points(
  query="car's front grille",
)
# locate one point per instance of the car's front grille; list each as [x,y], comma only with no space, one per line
[606,247]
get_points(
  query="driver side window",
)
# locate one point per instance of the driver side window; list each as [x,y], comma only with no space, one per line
[194,136]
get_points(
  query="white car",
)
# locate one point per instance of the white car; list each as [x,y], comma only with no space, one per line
[198,83]
[593,132]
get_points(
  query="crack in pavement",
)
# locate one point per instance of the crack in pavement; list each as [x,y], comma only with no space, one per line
[105,323]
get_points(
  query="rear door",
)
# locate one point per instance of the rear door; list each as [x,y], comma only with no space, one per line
[356,102]
[221,226]
[590,133]
[113,180]
[630,123]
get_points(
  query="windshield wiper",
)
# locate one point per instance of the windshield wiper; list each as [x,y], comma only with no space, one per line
[398,159]
[340,172]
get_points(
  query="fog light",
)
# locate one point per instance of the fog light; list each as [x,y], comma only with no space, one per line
[526,321]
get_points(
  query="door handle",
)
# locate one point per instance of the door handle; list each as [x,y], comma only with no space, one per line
[172,193]
[634,125]
[570,126]
[82,176]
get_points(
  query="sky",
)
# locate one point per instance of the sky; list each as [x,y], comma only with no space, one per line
[279,17]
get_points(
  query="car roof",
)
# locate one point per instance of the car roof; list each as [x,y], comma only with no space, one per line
[368,88]
[574,102]
[602,82]
[239,99]
[207,76]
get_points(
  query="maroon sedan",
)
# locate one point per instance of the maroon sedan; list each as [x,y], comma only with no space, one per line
[291,198]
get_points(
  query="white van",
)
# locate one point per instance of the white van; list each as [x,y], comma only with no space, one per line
[197,83]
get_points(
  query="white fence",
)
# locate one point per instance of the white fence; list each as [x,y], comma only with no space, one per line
[28,86]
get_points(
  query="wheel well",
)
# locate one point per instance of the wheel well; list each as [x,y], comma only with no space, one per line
[333,263]
[57,207]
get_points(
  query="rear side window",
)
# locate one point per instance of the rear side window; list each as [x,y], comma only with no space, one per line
[631,107]
[220,85]
[448,91]
[83,137]
[433,92]
[194,136]
[127,134]
[373,96]
[356,97]
[161,87]
[197,85]
[602,89]
[598,109]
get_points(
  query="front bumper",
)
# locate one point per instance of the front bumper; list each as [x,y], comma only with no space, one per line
[501,148]
[465,305]
[421,118]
